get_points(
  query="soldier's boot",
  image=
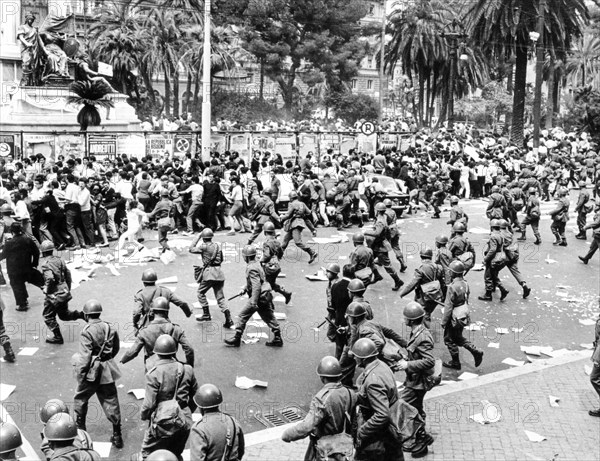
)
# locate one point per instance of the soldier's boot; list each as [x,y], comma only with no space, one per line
[56,337]
[557,239]
[117,437]
[376,276]
[453,364]
[9,355]
[228,322]
[503,293]
[205,315]
[563,242]
[313,255]
[397,281]
[526,290]
[538,241]
[583,259]
[487,296]
[277,341]
[235,341]
[476,353]
[287,295]
[522,238]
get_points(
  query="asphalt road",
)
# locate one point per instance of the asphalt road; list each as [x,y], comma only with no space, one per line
[550,317]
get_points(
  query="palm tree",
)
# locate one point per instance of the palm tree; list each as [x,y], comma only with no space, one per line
[501,28]
[92,94]
[583,60]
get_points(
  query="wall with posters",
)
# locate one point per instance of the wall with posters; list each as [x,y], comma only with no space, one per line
[102,146]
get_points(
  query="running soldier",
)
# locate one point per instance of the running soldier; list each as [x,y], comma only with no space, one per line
[532,217]
[560,216]
[381,246]
[293,224]
[582,210]
[263,212]
[511,249]
[392,219]
[457,214]
[362,260]
[272,254]
[494,260]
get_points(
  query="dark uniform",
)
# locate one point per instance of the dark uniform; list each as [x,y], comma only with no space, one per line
[362,260]
[490,276]
[326,416]
[293,224]
[462,249]
[595,225]
[209,438]
[595,374]
[212,274]
[264,211]
[381,246]
[148,335]
[443,257]
[560,216]
[420,363]
[377,393]
[272,254]
[260,299]
[22,257]
[83,440]
[512,255]
[90,342]
[57,283]
[580,209]
[427,272]
[457,214]
[496,208]
[75,453]
[532,218]
[143,303]
[375,332]
[340,300]
[169,379]
[390,214]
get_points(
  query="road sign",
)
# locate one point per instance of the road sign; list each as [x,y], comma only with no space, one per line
[367,128]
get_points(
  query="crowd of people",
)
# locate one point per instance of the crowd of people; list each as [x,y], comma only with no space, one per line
[75,203]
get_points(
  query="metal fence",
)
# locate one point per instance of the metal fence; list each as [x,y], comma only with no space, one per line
[289,145]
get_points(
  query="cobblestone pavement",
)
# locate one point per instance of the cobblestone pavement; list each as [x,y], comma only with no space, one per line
[520,396]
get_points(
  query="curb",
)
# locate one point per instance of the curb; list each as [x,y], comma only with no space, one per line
[274,433]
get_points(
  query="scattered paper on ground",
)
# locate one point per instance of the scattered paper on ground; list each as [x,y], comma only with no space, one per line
[587,322]
[474,327]
[281,275]
[478,267]
[466,375]
[256,324]
[250,340]
[138,393]
[479,230]
[533,437]
[586,368]
[502,331]
[126,344]
[553,400]
[6,390]
[513,362]
[28,351]
[244,382]
[494,345]
[259,335]
[172,279]
[587,346]
[103,448]
[280,316]
[550,261]
[317,278]
[562,294]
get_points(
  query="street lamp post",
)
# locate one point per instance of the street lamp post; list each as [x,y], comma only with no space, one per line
[453,32]
[538,39]
[382,63]
[206,108]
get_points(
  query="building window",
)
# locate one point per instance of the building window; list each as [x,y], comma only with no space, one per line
[369,84]
[354,82]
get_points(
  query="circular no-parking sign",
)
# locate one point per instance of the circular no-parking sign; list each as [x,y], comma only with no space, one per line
[367,128]
[182,145]
[5,150]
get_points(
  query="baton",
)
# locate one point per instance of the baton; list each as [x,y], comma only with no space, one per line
[236,296]
[321,324]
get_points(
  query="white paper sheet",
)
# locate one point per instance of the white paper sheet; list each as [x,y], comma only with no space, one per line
[534,437]
[138,393]
[494,345]
[553,400]
[466,375]
[5,391]
[103,448]
[587,322]
[513,362]
[28,351]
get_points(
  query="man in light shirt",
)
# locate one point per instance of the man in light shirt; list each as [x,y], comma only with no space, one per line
[83,198]
[73,212]
[196,192]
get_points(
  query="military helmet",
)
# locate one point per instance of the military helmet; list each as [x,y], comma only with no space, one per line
[92,306]
[388,203]
[149,276]
[329,367]
[60,428]
[426,253]
[269,228]
[267,191]
[562,191]
[454,199]
[46,245]
[208,396]
[249,251]
[358,237]
[364,348]
[6,209]
[495,223]
[503,223]
[456,267]
[441,239]
[581,184]
[533,190]
[355,286]
[380,207]
[165,345]
[160,304]
[495,189]
[356,310]
[10,438]
[162,455]
[52,407]
[413,311]
[333,268]
[293,195]
[459,227]
[207,234]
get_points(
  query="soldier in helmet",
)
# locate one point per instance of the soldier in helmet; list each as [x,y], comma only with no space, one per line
[357,289]
[272,254]
[210,276]
[493,265]
[98,344]
[10,441]
[340,300]
[427,274]
[511,249]
[9,354]
[162,455]
[443,257]
[560,216]
[460,247]
[381,246]
[532,217]
[57,290]
[436,195]
[263,212]
[260,299]
[457,296]
[293,224]
[392,219]
[22,257]
[144,297]
[217,436]
[377,393]
[331,410]
[6,221]
[595,225]
[582,210]
[63,440]
[457,214]
[497,207]
[168,380]
[160,324]
[333,276]
[51,408]
[362,259]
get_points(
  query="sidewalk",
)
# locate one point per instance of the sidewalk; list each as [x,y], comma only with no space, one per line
[519,395]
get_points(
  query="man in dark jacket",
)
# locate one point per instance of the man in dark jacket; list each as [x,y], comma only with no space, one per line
[22,257]
[495,247]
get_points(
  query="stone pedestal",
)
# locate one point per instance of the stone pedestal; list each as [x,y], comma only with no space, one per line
[45,109]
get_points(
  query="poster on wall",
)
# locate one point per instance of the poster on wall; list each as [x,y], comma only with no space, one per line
[218,143]
[240,143]
[7,146]
[69,145]
[329,141]
[102,145]
[285,145]
[158,144]
[347,142]
[366,143]
[308,143]
[263,142]
[182,144]
[388,141]
[132,145]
